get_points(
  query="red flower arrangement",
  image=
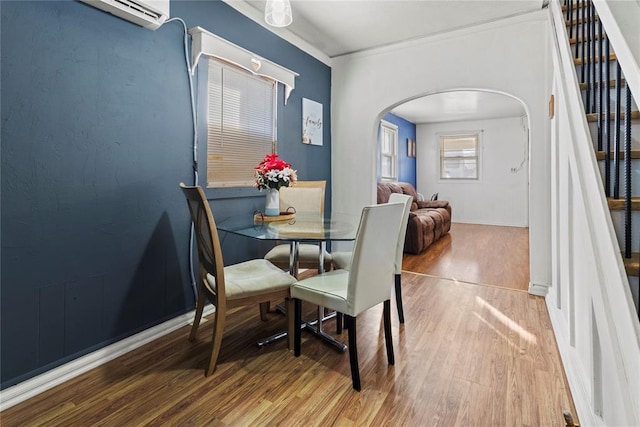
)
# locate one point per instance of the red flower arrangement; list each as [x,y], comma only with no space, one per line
[273,172]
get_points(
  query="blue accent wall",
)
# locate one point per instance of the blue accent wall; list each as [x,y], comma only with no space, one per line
[406,164]
[96,135]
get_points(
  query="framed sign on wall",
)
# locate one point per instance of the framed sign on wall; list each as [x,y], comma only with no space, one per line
[411,147]
[311,122]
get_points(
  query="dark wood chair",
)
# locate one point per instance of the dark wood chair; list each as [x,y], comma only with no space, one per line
[247,283]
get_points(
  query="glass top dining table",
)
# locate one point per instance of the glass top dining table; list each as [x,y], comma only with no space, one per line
[303,227]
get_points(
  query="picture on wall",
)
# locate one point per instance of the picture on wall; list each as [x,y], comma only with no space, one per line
[411,147]
[311,122]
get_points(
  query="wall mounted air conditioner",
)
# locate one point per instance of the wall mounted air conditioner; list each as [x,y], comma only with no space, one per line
[149,14]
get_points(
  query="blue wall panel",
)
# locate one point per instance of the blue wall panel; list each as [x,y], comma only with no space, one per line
[406,164]
[96,135]
[51,323]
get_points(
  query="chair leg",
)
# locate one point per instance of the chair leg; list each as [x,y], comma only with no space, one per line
[264,309]
[291,324]
[199,309]
[353,351]
[399,298]
[386,313]
[297,326]
[339,322]
[218,330]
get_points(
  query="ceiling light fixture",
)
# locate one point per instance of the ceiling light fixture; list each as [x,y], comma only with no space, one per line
[277,13]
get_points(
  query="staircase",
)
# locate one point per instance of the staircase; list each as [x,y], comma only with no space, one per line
[595,174]
[614,122]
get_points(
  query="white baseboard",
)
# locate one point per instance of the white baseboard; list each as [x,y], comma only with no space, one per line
[539,289]
[480,221]
[25,390]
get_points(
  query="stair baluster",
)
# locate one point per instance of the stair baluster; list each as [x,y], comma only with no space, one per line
[627,173]
[595,58]
[607,121]
[599,87]
[578,8]
[570,17]
[616,138]
[583,68]
[586,63]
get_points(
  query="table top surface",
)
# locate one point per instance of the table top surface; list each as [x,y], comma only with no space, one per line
[304,227]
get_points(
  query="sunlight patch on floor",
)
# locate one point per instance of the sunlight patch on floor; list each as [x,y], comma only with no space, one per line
[505,320]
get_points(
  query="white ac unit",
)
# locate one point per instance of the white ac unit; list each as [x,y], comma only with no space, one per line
[149,14]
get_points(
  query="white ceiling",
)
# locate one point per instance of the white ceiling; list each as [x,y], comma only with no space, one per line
[459,106]
[337,27]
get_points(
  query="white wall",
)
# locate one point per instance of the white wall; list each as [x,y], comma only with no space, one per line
[498,197]
[509,56]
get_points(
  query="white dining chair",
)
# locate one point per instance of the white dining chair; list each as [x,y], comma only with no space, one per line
[361,287]
[342,260]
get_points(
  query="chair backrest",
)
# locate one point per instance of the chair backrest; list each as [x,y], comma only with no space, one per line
[304,196]
[372,263]
[209,250]
[406,200]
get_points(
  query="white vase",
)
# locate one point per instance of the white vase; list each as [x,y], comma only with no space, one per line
[272,203]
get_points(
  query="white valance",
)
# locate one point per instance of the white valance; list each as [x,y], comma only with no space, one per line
[206,43]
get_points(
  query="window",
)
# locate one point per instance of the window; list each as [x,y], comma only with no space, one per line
[241,125]
[459,156]
[388,151]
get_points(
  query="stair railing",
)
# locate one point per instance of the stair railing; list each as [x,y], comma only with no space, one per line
[595,61]
[591,308]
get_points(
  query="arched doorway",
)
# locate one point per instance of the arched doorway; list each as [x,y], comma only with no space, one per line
[495,189]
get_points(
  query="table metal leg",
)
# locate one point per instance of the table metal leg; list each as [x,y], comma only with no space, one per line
[322,247]
[264,341]
[294,247]
[317,328]
[314,326]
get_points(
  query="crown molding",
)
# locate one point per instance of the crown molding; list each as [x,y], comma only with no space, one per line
[255,15]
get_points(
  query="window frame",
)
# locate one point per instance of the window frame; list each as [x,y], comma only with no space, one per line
[476,157]
[393,155]
[270,144]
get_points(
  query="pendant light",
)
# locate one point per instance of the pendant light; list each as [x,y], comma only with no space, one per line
[277,13]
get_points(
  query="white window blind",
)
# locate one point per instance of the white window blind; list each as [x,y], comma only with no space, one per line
[241,124]
[459,156]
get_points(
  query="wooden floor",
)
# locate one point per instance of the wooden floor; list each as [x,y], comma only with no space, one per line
[485,254]
[468,355]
